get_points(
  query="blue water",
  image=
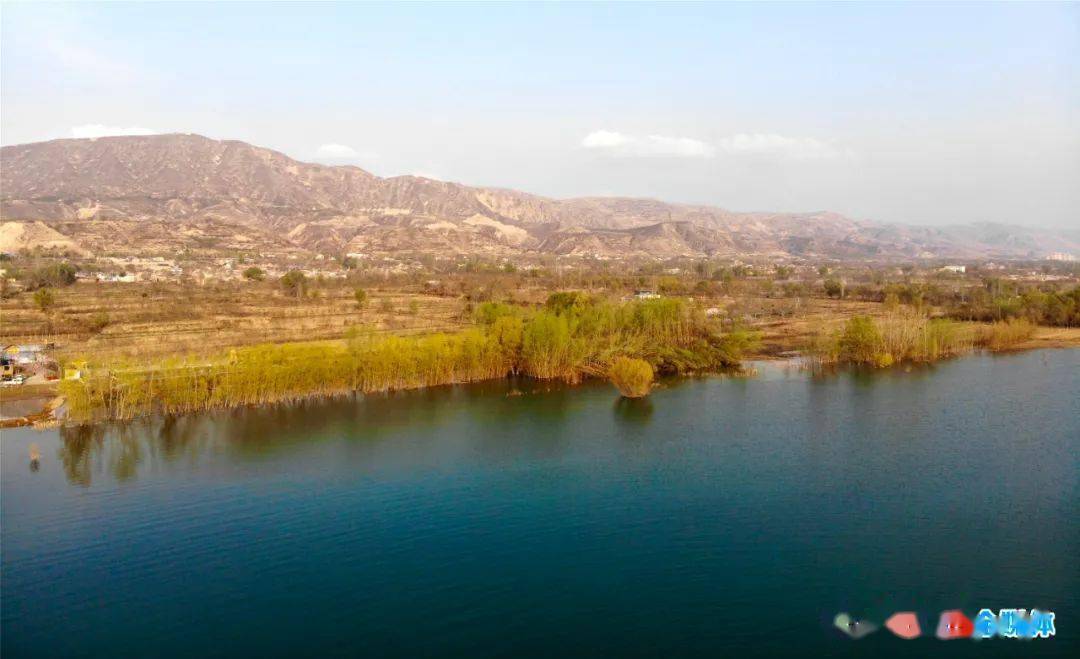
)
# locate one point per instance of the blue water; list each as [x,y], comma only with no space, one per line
[720,517]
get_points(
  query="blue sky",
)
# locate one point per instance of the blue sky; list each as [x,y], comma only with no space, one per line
[920,113]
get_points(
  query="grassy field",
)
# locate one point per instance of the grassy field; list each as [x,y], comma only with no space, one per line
[104,322]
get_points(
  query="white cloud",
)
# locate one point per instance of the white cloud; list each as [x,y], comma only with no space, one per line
[769,145]
[605,139]
[100,130]
[335,154]
[336,151]
[780,146]
[620,144]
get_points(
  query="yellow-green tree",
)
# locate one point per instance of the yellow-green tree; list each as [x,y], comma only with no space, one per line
[633,377]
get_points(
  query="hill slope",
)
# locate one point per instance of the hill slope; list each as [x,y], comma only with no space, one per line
[233,191]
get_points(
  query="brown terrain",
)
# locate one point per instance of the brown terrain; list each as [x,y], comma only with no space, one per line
[169,193]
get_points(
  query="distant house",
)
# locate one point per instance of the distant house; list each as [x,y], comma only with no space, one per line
[24,353]
[7,368]
[959,269]
[646,295]
[126,278]
[23,348]
[74,370]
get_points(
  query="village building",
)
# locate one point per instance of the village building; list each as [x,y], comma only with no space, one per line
[23,354]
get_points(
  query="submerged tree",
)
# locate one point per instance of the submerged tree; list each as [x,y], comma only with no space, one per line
[633,377]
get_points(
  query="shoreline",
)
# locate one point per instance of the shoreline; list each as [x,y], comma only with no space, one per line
[1044,338]
[53,412]
[46,417]
[1052,338]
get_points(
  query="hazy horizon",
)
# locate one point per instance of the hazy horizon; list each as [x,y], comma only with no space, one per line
[927,114]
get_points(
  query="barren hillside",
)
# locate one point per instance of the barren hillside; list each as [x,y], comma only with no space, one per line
[133,189]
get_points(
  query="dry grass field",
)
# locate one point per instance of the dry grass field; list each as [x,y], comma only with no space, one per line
[786,325]
[105,322]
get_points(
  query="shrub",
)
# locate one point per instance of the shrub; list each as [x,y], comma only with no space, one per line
[55,274]
[1006,334]
[97,322]
[548,350]
[823,349]
[943,338]
[735,344]
[295,283]
[254,274]
[488,312]
[567,301]
[44,298]
[834,288]
[860,341]
[900,337]
[506,333]
[633,377]
[360,295]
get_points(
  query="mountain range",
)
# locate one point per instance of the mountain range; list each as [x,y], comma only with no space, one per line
[182,191]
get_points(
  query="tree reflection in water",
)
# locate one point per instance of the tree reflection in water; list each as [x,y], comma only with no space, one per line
[636,411]
[125,453]
[120,450]
[80,443]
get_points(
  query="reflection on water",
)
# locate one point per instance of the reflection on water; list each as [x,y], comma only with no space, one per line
[540,410]
[119,451]
[633,410]
[76,453]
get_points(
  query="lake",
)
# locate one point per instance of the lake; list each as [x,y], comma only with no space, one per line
[719,517]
